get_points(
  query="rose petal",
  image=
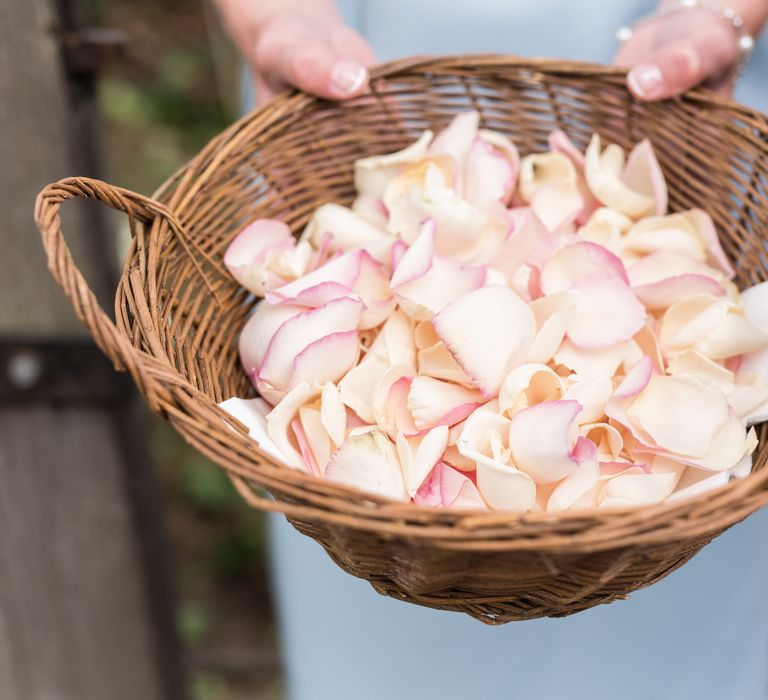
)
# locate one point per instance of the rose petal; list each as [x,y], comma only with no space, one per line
[425,284]
[281,417]
[690,233]
[300,331]
[258,332]
[326,360]
[635,488]
[246,257]
[371,209]
[437,362]
[578,265]
[252,413]
[754,365]
[358,387]
[457,138]
[488,331]
[541,170]
[695,366]
[662,294]
[434,402]
[488,176]
[448,488]
[560,143]
[503,487]
[642,173]
[679,415]
[528,242]
[606,313]
[603,171]
[591,393]
[418,455]
[578,483]
[528,385]
[558,206]
[592,362]
[333,414]
[463,231]
[349,231]
[369,462]
[373,174]
[541,439]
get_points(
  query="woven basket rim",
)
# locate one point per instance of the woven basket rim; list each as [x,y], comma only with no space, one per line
[344,505]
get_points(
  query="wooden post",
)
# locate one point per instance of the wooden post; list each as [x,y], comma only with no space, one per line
[84,610]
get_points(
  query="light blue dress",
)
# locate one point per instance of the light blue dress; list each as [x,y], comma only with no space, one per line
[700,634]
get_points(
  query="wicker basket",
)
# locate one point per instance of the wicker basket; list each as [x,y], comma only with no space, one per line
[178,316]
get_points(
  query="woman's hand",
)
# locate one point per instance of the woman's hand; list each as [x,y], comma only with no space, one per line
[671,53]
[298,43]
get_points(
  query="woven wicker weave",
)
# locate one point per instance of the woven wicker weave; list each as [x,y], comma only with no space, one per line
[178,316]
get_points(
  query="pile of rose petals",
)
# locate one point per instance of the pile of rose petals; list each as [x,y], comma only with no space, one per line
[481,330]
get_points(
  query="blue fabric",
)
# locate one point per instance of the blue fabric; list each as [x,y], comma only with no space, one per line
[700,634]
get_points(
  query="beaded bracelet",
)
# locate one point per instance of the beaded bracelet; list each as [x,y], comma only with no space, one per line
[745,41]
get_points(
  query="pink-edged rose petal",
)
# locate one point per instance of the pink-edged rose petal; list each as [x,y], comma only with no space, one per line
[248,255]
[447,487]
[434,402]
[541,170]
[280,420]
[258,332]
[300,331]
[418,455]
[579,265]
[327,359]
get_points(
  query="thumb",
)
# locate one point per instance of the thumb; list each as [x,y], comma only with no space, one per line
[290,56]
[684,63]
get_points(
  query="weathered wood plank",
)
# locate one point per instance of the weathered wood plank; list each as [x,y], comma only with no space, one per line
[78,620]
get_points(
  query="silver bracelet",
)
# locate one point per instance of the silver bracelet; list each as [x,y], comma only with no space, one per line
[744,40]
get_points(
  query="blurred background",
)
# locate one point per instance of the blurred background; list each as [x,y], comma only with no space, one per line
[161,101]
[128,106]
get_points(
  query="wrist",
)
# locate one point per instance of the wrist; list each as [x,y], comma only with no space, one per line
[754,13]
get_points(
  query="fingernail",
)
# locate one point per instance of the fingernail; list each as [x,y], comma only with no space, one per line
[347,77]
[645,80]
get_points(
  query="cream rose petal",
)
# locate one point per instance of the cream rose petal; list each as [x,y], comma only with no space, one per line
[558,206]
[252,413]
[326,360]
[488,331]
[592,362]
[541,170]
[578,483]
[373,174]
[369,461]
[604,174]
[348,230]
[542,438]
[528,385]
[753,369]
[606,313]
[437,362]
[637,488]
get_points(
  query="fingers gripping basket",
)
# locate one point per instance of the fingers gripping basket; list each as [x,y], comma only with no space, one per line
[178,316]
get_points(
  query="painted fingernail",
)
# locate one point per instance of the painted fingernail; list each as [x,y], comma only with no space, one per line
[347,77]
[645,80]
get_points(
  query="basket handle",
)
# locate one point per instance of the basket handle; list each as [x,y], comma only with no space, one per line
[115,344]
